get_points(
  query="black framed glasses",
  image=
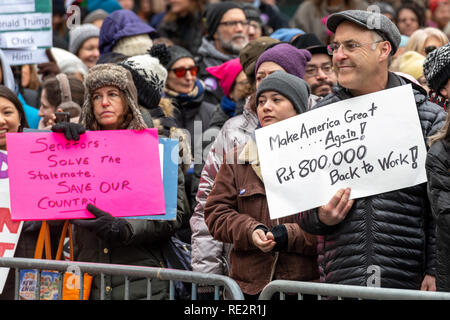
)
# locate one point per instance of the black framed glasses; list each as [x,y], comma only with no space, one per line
[234,23]
[312,71]
[181,72]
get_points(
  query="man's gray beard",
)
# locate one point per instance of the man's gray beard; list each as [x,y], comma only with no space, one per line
[232,47]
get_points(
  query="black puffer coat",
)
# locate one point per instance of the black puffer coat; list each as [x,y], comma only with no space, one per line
[391,232]
[438,172]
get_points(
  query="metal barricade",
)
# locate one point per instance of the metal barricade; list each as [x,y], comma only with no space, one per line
[346,291]
[101,269]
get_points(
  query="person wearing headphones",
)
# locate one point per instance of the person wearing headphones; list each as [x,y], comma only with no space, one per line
[60,93]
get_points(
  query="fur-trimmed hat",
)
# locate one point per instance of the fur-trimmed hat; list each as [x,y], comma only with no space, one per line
[104,75]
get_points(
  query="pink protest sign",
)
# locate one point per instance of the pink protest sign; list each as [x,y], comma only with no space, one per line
[53,178]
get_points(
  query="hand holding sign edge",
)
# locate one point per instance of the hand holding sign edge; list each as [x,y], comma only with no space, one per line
[337,208]
[106,226]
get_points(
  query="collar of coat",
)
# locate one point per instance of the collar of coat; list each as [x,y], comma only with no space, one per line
[249,154]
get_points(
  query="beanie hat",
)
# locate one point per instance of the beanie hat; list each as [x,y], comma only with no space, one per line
[412,63]
[176,53]
[250,54]
[293,88]
[251,12]
[226,73]
[67,62]
[310,42]
[286,34]
[79,34]
[133,45]
[149,76]
[214,13]
[434,4]
[95,15]
[104,75]
[291,59]
[437,67]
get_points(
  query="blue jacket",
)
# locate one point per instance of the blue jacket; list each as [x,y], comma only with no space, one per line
[119,24]
[30,113]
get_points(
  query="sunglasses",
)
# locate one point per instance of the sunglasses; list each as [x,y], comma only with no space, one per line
[428,49]
[181,72]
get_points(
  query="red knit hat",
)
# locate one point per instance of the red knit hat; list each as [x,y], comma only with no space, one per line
[226,73]
[434,4]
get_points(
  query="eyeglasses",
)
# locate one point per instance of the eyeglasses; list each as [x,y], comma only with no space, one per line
[428,49]
[254,24]
[181,72]
[312,71]
[348,46]
[234,23]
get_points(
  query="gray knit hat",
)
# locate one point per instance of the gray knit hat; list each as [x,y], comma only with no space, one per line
[79,34]
[370,20]
[95,15]
[108,74]
[176,53]
[293,88]
[436,67]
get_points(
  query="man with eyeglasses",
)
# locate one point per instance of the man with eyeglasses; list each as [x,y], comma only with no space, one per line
[385,239]
[319,72]
[226,26]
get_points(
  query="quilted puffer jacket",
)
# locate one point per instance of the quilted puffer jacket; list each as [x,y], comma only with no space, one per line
[387,239]
[438,172]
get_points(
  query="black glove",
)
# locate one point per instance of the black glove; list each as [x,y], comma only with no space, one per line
[71,130]
[105,225]
[281,237]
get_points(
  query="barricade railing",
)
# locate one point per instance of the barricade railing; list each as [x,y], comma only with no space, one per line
[327,291]
[101,269]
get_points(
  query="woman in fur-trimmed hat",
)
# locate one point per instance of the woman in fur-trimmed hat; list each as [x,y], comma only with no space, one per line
[111,103]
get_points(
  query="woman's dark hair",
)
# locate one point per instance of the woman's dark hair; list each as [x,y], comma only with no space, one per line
[53,90]
[6,93]
[414,7]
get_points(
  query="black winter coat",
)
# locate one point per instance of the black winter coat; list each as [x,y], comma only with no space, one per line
[438,173]
[392,232]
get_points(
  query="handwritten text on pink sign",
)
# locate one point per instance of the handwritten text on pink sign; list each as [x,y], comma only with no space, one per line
[54,178]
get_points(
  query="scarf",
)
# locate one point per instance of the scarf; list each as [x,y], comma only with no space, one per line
[228,106]
[195,94]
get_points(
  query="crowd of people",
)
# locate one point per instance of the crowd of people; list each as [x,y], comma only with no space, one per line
[210,73]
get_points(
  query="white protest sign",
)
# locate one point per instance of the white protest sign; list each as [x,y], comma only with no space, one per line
[7,6]
[25,30]
[27,56]
[371,143]
[9,230]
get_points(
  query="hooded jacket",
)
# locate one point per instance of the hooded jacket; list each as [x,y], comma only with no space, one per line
[209,56]
[392,232]
[8,81]
[120,24]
